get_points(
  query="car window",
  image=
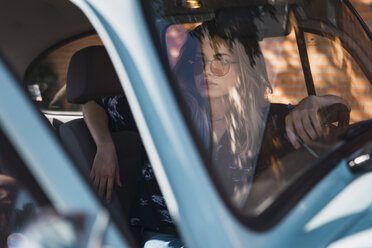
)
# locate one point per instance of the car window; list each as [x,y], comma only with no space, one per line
[267,90]
[46,77]
[364,10]
[336,72]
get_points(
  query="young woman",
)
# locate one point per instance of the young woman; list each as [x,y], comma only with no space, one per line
[223,80]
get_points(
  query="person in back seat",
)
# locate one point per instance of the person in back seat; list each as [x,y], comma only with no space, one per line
[111,114]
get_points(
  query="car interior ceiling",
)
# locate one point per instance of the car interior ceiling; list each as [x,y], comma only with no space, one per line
[29,28]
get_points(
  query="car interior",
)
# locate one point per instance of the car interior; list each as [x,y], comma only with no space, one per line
[33,29]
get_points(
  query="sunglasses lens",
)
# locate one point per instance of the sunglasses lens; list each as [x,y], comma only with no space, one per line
[219,68]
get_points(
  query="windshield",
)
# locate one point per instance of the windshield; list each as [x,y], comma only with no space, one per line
[267,88]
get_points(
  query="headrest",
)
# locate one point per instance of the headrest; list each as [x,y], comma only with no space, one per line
[91,75]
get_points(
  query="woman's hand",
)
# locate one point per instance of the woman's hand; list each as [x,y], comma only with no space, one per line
[105,170]
[305,123]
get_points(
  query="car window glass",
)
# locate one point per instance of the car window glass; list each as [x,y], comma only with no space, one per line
[283,65]
[242,74]
[243,77]
[336,72]
[46,77]
[364,10]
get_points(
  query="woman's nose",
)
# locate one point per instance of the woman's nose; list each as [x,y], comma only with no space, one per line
[207,68]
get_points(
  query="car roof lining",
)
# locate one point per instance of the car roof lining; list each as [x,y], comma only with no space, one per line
[30,27]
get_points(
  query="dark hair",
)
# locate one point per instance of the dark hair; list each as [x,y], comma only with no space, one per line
[234,24]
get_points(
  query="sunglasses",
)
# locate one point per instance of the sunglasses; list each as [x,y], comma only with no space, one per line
[218,66]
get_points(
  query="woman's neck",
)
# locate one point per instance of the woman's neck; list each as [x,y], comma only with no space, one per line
[218,109]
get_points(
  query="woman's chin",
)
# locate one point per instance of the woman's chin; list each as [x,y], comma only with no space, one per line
[209,93]
[203,93]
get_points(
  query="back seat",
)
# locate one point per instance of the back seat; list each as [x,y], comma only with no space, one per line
[91,75]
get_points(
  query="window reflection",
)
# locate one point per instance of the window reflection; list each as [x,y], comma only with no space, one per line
[225,84]
[253,145]
[269,137]
[336,72]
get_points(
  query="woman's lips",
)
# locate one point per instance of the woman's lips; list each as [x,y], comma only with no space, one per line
[208,84]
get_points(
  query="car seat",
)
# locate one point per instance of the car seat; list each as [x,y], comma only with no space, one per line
[91,75]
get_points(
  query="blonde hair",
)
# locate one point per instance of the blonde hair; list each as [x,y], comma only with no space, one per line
[248,102]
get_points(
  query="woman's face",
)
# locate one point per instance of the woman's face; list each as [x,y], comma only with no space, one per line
[219,76]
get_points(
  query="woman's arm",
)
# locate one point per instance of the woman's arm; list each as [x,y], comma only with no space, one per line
[105,169]
[306,122]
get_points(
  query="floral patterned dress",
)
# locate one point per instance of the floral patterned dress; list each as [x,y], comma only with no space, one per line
[150,212]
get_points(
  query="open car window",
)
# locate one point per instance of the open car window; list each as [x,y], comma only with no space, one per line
[46,77]
[268,91]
